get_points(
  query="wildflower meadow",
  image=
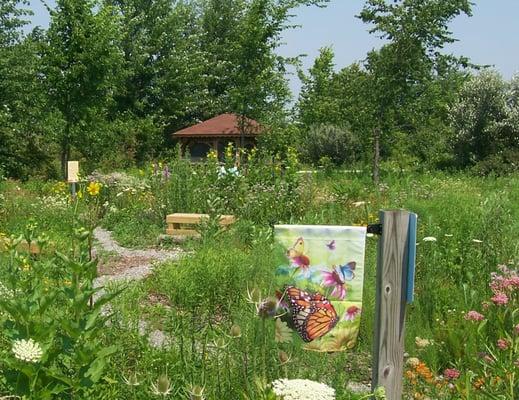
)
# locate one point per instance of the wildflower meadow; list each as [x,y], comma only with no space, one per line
[190,195]
[200,325]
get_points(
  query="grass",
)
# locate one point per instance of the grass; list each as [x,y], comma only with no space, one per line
[196,301]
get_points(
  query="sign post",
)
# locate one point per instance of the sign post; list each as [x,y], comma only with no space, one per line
[395,276]
[72,176]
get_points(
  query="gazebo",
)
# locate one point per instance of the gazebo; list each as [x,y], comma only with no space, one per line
[216,133]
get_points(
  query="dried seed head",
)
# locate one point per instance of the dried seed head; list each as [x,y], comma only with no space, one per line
[283,357]
[196,393]
[235,331]
[162,387]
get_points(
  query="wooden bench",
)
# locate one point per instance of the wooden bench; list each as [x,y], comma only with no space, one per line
[181,224]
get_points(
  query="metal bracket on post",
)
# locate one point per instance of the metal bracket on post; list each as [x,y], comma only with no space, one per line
[375,229]
[391,296]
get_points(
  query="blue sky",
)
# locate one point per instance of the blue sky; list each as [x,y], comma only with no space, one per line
[489,37]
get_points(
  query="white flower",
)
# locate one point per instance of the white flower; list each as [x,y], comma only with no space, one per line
[222,172]
[412,362]
[5,292]
[421,343]
[302,389]
[358,388]
[231,171]
[234,171]
[477,241]
[429,239]
[27,350]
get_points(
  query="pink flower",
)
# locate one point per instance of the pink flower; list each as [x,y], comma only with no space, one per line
[514,281]
[451,373]
[474,316]
[502,344]
[351,313]
[333,279]
[500,299]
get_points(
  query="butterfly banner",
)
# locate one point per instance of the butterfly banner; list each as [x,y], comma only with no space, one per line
[319,280]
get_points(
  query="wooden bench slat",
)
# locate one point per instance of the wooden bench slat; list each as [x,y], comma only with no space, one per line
[196,218]
[181,224]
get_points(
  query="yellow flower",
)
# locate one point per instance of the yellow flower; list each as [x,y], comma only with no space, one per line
[93,188]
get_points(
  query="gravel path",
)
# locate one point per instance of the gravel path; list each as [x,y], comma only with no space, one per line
[140,262]
[136,265]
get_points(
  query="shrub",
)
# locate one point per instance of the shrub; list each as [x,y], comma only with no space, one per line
[335,142]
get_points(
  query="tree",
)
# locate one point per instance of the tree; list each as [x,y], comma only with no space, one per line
[416,31]
[24,117]
[319,102]
[81,63]
[485,118]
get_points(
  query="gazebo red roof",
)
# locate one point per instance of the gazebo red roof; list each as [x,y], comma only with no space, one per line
[221,125]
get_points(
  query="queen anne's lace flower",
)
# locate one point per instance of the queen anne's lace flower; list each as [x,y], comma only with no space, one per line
[5,292]
[27,350]
[302,389]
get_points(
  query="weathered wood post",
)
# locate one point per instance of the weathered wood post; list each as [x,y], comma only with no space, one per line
[395,249]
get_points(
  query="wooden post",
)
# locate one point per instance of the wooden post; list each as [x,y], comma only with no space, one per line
[392,268]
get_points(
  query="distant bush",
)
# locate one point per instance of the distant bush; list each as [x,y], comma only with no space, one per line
[498,164]
[486,121]
[337,143]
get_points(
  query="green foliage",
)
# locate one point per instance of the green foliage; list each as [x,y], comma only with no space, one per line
[319,100]
[216,285]
[337,143]
[486,124]
[49,303]
[77,84]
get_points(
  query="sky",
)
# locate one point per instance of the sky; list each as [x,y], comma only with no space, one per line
[489,37]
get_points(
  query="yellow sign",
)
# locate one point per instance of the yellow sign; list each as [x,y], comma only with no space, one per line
[72,171]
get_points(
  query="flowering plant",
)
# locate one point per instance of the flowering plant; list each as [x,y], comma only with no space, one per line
[52,354]
[497,336]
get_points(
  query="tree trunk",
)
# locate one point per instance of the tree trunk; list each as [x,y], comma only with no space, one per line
[65,151]
[376,155]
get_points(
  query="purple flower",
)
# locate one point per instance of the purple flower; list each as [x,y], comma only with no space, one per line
[165,172]
[333,279]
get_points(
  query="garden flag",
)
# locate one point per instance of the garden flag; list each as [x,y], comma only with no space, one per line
[319,278]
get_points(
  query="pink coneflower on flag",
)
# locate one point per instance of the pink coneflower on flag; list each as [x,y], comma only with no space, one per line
[338,277]
[351,313]
[333,279]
